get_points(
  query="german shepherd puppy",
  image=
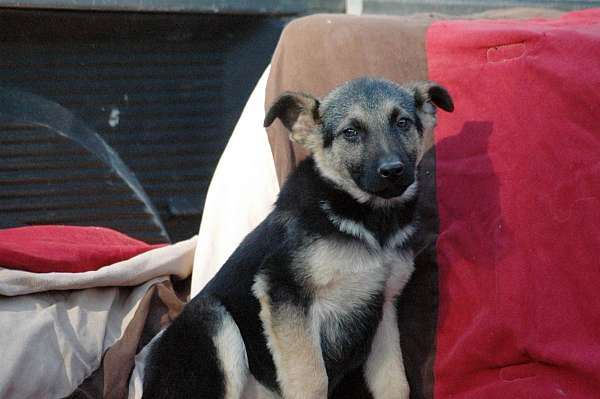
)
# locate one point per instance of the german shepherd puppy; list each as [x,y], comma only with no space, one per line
[308,296]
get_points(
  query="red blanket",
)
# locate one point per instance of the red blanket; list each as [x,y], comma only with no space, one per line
[518,180]
[44,249]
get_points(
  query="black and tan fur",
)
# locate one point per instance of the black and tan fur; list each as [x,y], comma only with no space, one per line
[308,295]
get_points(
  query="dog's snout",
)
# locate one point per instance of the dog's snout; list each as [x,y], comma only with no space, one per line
[390,169]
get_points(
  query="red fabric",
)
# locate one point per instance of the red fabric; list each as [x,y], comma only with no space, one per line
[518,183]
[43,249]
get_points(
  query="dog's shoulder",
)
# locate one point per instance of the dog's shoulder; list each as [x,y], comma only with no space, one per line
[237,273]
[270,247]
[298,205]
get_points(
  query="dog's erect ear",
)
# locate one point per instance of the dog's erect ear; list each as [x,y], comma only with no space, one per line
[429,94]
[298,112]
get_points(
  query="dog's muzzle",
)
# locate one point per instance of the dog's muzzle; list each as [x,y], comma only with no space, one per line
[386,179]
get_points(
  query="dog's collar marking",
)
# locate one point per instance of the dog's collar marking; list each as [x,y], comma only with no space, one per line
[360,231]
[351,227]
[401,237]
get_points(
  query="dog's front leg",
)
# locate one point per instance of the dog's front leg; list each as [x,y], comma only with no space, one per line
[296,351]
[384,369]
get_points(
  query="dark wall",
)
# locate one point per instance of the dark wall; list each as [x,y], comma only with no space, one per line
[163,90]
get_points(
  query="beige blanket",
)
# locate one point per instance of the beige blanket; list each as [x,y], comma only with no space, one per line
[53,332]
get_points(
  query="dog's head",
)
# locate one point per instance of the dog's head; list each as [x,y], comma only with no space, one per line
[366,135]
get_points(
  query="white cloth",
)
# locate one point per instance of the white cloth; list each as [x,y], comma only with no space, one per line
[53,333]
[242,191]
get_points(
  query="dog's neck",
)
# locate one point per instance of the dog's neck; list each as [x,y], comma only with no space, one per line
[322,206]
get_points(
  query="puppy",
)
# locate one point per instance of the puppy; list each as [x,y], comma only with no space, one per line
[308,296]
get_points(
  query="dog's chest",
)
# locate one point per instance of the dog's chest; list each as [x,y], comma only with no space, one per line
[345,274]
[351,281]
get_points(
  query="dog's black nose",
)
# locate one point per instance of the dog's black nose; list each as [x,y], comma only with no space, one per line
[390,169]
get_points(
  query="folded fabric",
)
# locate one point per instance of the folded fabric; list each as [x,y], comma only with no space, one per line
[53,333]
[72,249]
[164,261]
[50,342]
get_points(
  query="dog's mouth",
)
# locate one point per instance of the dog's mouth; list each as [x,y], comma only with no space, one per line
[382,188]
[387,190]
[391,191]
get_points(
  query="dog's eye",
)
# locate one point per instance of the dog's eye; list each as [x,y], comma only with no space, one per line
[403,123]
[350,133]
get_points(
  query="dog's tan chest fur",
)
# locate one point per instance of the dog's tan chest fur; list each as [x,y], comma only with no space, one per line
[346,275]
[349,272]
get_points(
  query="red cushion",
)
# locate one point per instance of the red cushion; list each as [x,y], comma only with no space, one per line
[518,183]
[44,249]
